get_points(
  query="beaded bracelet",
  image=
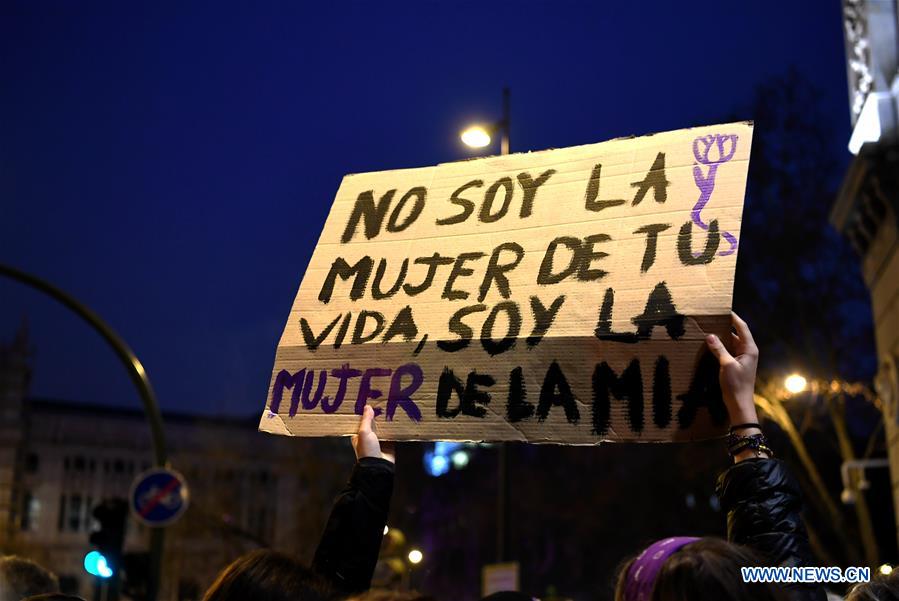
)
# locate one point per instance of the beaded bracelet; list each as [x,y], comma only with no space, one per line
[736,444]
[745,426]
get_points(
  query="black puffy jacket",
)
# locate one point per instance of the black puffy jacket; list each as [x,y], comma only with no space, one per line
[763,505]
[348,550]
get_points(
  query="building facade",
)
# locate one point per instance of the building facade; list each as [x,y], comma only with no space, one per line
[866,210]
[58,460]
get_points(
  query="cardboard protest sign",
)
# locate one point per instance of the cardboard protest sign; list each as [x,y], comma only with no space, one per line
[556,296]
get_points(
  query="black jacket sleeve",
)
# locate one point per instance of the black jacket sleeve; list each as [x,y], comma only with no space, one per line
[763,505]
[349,547]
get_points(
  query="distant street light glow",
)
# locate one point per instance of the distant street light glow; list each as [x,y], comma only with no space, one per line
[795,383]
[886,569]
[476,137]
[460,459]
[415,556]
[386,529]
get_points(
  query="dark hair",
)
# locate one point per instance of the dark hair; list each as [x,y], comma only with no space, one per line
[26,578]
[706,569]
[880,588]
[265,575]
[388,595]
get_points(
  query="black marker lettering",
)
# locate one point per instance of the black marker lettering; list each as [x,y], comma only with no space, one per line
[546,276]
[456,326]
[403,325]
[485,215]
[543,318]
[685,244]
[433,262]
[376,292]
[655,180]
[467,205]
[556,392]
[591,203]
[393,224]
[517,407]
[373,214]
[508,341]
[359,335]
[607,384]
[458,270]
[361,270]
[652,236]
[496,271]
[530,187]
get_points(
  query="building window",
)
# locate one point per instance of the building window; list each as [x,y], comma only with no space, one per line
[61,518]
[74,513]
[31,507]
[32,463]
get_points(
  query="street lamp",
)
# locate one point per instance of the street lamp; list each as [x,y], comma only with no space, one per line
[795,383]
[479,136]
[415,556]
[476,136]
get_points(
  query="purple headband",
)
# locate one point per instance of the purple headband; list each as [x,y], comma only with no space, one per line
[641,577]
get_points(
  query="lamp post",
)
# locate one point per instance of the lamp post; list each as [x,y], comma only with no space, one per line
[479,136]
[832,393]
[138,377]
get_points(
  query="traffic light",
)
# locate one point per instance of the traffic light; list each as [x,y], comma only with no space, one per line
[109,537]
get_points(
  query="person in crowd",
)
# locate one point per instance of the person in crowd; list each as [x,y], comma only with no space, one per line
[762,502]
[388,595]
[345,560]
[880,588]
[20,577]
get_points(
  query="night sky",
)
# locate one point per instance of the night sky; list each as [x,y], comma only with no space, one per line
[171,163]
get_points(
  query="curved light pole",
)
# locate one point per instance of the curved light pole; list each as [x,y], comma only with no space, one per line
[138,377]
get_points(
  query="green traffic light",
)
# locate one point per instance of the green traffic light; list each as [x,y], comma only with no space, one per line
[96,565]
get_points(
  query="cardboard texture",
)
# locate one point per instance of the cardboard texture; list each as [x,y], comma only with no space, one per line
[557,296]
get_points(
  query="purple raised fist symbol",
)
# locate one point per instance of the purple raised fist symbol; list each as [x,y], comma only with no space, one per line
[712,150]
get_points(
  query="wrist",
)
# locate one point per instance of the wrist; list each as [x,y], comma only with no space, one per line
[743,413]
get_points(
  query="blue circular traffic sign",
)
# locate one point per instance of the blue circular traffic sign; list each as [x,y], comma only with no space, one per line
[158,497]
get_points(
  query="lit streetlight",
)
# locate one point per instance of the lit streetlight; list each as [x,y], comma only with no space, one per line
[479,136]
[386,529]
[795,383]
[886,569]
[476,136]
[415,556]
